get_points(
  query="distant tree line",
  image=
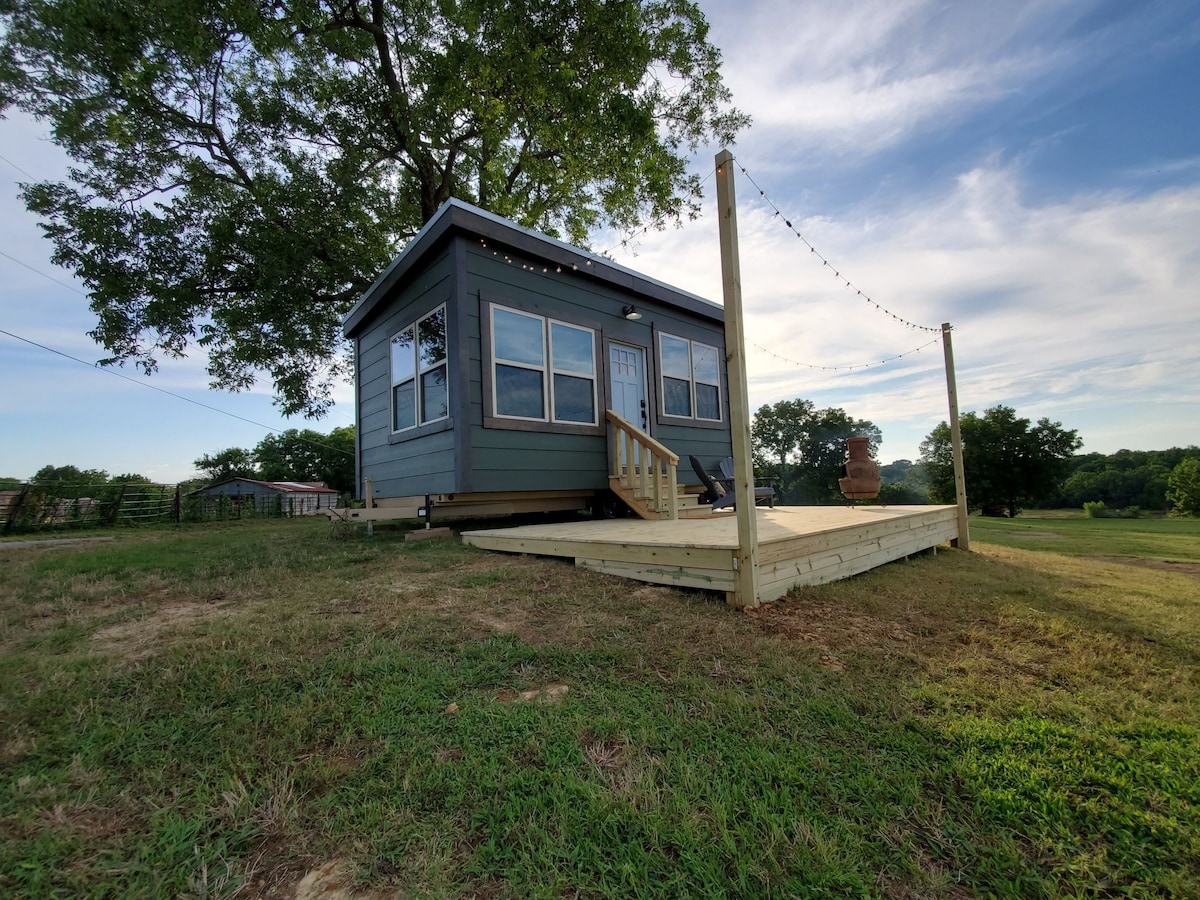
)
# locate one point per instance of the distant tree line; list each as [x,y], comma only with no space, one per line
[72,481]
[292,455]
[802,449]
[1120,480]
[1011,463]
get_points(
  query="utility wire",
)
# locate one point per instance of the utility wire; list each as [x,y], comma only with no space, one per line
[69,287]
[18,168]
[168,393]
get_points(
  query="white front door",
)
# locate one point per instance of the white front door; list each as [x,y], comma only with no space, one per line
[627,374]
[627,371]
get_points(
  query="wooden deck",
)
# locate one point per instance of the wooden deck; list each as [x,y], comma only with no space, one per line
[796,545]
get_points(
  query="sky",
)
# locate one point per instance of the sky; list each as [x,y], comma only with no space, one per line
[1028,172]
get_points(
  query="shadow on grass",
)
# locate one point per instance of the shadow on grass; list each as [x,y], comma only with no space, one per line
[1063,697]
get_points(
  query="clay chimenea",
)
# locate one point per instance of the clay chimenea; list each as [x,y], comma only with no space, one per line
[862,473]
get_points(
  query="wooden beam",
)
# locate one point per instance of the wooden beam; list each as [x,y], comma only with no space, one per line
[746,559]
[963,542]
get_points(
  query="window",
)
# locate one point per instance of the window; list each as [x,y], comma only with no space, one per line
[543,370]
[691,379]
[419,393]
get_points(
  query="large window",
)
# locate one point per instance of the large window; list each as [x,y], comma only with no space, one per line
[691,379]
[419,394]
[543,370]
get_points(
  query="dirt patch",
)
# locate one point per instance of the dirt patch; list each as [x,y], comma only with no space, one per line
[829,628]
[138,638]
[50,542]
[332,881]
[86,822]
[618,765]
[1160,565]
[503,621]
[549,695]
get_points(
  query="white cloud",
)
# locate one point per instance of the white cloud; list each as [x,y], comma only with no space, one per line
[847,78]
[845,81]
[1058,308]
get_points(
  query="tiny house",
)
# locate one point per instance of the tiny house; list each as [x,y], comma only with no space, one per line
[498,370]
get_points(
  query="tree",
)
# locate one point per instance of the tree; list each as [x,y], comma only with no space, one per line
[1008,464]
[308,455]
[812,442]
[823,451]
[1122,479]
[245,170]
[903,482]
[775,434]
[48,476]
[129,478]
[1184,486]
[226,464]
[338,470]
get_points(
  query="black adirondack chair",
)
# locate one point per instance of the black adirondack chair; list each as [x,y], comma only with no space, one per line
[715,492]
[763,493]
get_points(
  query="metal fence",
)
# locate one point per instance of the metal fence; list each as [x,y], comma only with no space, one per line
[32,507]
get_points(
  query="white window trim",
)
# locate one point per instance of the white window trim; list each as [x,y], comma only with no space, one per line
[692,380]
[418,371]
[547,368]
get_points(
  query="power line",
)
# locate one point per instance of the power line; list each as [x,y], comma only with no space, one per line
[18,168]
[168,393]
[69,287]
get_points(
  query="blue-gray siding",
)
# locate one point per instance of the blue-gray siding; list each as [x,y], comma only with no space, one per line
[524,460]
[421,464]
[467,457]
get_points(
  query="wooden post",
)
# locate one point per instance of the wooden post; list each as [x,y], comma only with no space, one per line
[746,593]
[960,479]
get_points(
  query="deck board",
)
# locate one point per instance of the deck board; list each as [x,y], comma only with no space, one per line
[797,545]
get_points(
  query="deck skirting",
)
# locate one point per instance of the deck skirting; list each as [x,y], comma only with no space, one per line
[796,545]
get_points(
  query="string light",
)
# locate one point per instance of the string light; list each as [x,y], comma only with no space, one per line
[624,244]
[825,264]
[589,257]
[866,365]
[531,267]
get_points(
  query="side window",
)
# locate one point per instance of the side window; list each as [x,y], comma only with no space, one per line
[418,364]
[691,379]
[573,365]
[676,376]
[518,352]
[706,381]
[543,370]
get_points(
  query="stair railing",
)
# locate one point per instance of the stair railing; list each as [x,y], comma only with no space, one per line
[643,465]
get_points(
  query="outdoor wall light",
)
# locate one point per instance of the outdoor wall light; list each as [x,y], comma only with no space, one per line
[630,312]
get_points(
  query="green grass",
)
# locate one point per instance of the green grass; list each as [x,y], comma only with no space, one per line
[219,710]
[1171,539]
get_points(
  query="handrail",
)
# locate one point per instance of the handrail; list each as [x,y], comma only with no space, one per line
[645,460]
[659,450]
